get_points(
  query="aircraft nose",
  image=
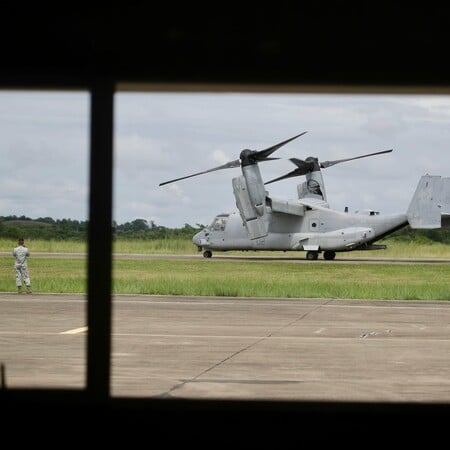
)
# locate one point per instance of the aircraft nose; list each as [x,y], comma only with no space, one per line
[198,238]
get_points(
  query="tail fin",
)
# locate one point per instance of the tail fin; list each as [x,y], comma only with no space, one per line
[430,205]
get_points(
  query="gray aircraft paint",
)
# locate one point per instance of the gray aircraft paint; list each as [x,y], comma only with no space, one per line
[308,223]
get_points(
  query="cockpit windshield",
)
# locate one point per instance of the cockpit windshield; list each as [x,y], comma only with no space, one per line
[219,223]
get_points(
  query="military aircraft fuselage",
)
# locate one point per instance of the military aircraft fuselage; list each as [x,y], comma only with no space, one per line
[318,229]
[307,223]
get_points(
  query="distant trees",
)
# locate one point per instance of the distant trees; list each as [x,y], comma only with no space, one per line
[408,234]
[47,228]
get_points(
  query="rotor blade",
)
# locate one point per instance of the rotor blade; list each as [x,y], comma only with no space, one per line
[294,173]
[259,156]
[269,159]
[303,168]
[326,164]
[228,165]
[263,154]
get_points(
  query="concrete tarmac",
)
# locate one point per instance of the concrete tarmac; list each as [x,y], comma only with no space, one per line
[235,348]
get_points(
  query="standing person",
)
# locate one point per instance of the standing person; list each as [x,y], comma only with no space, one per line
[21,254]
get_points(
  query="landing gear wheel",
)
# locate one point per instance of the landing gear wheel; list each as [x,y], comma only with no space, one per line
[329,255]
[207,254]
[312,255]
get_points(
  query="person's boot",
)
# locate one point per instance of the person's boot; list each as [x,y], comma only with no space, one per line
[29,290]
[19,289]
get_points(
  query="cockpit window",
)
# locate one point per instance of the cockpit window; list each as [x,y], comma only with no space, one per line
[219,223]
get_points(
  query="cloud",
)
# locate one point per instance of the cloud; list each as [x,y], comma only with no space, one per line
[44,149]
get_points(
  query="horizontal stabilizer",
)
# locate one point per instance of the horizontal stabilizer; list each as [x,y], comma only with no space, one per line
[430,204]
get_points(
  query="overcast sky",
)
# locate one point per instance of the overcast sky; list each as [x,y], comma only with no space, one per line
[44,143]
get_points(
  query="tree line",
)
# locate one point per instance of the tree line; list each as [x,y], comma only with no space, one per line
[47,228]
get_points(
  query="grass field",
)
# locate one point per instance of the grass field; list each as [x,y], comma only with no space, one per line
[216,277]
[396,249]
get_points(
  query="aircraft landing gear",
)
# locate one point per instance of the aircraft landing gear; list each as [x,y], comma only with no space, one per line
[329,255]
[207,254]
[312,255]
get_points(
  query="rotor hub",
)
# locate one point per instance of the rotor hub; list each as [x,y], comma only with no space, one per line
[313,163]
[248,157]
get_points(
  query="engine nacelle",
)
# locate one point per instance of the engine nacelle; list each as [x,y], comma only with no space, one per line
[255,187]
[252,215]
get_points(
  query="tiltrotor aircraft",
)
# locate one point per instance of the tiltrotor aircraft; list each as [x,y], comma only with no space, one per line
[307,223]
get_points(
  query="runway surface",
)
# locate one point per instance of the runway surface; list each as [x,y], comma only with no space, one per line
[236,348]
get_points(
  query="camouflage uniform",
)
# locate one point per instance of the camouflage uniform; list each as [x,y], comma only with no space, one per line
[21,268]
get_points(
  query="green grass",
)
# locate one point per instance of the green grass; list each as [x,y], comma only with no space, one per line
[396,249]
[53,246]
[209,277]
[157,246]
[47,275]
[215,277]
[284,279]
